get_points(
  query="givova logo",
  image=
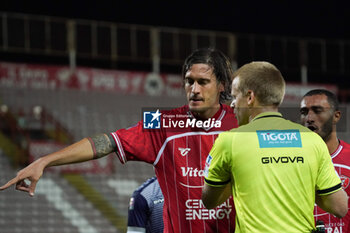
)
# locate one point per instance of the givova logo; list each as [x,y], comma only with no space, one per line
[279,138]
[151,120]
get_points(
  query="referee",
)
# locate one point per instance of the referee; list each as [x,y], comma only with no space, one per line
[274,168]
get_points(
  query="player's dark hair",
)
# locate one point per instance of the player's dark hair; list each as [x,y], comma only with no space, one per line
[220,64]
[331,97]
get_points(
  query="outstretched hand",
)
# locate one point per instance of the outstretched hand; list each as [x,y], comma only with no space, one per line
[78,152]
[32,173]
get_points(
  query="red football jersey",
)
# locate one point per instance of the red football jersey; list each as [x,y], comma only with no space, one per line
[341,161]
[178,151]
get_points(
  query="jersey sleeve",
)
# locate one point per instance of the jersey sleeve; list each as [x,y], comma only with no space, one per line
[138,144]
[218,163]
[138,213]
[328,180]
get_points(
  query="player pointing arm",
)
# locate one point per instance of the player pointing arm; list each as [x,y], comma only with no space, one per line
[84,150]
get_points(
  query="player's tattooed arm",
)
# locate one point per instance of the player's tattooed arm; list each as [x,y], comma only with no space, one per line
[102,145]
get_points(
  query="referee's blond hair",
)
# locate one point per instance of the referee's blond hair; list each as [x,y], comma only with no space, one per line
[264,79]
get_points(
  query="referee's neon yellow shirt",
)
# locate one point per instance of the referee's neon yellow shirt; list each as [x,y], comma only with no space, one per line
[275,167]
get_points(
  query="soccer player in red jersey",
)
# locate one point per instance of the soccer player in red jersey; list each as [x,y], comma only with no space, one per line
[319,111]
[176,142]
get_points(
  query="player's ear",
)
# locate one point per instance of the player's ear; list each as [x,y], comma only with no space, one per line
[221,87]
[336,117]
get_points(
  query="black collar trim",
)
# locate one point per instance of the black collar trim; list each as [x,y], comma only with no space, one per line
[268,116]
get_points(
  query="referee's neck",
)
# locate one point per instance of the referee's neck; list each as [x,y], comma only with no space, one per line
[261,109]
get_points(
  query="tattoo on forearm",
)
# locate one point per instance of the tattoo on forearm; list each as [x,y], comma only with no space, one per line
[101,145]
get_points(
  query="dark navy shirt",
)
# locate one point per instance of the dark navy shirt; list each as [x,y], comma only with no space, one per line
[146,208]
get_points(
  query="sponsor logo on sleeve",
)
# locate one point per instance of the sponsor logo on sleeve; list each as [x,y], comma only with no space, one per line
[279,138]
[344,181]
[131,203]
[207,165]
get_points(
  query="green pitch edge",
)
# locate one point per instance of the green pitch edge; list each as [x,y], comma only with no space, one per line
[97,200]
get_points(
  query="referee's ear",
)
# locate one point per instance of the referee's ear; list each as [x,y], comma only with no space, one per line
[250,98]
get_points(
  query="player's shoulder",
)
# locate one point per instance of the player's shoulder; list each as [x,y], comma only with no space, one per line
[345,147]
[228,117]
[228,110]
[344,144]
[145,184]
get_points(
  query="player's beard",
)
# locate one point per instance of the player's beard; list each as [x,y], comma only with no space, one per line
[198,111]
[326,129]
